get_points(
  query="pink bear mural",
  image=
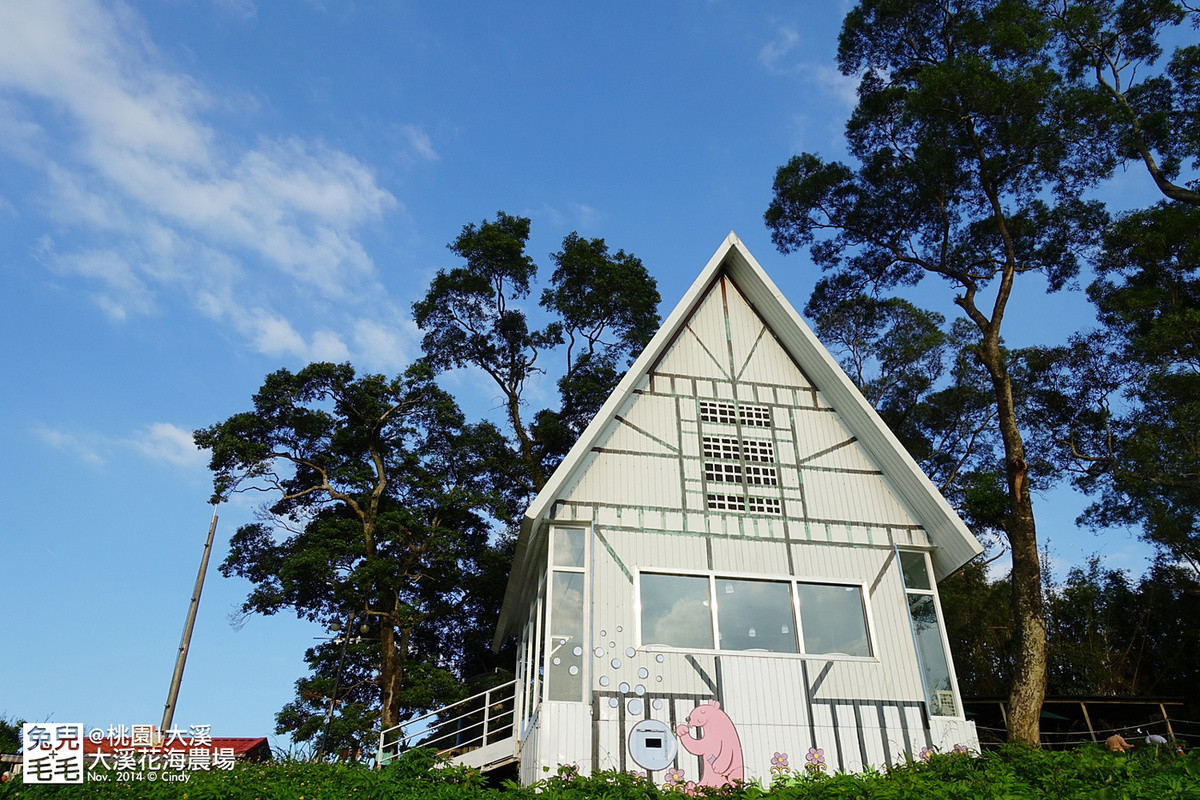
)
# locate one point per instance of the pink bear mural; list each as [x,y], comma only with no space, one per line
[720,747]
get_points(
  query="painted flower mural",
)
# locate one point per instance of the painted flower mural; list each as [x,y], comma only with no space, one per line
[815,759]
[779,765]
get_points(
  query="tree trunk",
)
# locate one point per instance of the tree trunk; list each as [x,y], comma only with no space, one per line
[389,677]
[1029,669]
[525,444]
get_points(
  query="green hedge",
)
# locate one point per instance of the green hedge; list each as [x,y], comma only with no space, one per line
[1010,773]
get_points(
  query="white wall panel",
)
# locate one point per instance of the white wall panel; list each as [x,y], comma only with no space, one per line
[708,323]
[630,480]
[650,426]
[750,557]
[853,498]
[688,358]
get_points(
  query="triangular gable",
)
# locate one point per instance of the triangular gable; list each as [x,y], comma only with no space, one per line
[733,324]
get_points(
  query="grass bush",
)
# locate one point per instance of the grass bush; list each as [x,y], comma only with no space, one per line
[1011,773]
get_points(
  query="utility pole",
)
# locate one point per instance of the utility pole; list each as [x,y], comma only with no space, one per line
[185,642]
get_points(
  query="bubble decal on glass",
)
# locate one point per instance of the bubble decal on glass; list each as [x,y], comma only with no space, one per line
[630,652]
[612,645]
[616,663]
[635,706]
[657,705]
[613,702]
[624,687]
[578,650]
[639,690]
[643,673]
[599,651]
[603,634]
[604,680]
[659,679]
[557,661]
[618,629]
[659,658]
[574,670]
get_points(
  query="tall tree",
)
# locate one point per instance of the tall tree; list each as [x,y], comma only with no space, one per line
[1132,418]
[471,317]
[1111,47]
[381,499]
[603,308]
[970,169]
[608,307]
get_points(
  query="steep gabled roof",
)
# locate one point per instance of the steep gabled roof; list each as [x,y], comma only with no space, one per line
[954,544]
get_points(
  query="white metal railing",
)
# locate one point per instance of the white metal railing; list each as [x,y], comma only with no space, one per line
[470,724]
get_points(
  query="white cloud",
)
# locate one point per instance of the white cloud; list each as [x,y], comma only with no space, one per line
[585,215]
[122,290]
[85,447]
[842,88]
[170,204]
[328,346]
[158,441]
[784,56]
[384,348]
[773,53]
[272,335]
[242,9]
[162,441]
[419,142]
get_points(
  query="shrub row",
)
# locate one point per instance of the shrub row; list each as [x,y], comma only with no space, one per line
[1009,773]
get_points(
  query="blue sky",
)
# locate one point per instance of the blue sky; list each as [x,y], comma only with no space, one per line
[194,193]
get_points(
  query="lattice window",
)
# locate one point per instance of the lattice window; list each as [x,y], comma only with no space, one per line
[725,473]
[721,447]
[758,450]
[727,414]
[754,416]
[725,447]
[761,476]
[724,413]
[764,505]
[727,502]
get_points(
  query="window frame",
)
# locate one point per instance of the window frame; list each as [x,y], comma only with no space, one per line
[714,610]
[941,621]
[546,595]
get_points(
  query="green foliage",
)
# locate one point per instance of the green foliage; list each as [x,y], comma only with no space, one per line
[1109,50]
[1012,773]
[979,628]
[604,309]
[1144,458]
[383,500]
[10,735]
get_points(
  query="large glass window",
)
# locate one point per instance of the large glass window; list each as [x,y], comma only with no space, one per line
[565,644]
[753,614]
[916,577]
[566,636]
[927,635]
[569,544]
[834,619]
[675,611]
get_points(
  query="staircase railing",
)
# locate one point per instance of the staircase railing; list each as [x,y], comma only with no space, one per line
[472,723]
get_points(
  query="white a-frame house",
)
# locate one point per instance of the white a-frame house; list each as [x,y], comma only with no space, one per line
[733,573]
